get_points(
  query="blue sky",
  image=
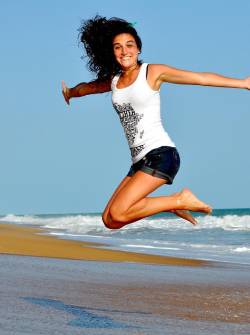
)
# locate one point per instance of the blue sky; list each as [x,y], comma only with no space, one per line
[56,159]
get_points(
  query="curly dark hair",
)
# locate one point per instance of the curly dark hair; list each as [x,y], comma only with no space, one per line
[97,35]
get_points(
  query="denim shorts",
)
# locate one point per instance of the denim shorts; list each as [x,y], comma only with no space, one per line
[162,162]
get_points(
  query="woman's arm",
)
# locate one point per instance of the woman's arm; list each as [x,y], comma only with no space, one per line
[164,73]
[82,89]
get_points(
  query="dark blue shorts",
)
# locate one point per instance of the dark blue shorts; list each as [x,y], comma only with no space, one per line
[162,162]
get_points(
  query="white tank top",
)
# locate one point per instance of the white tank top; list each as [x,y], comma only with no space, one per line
[138,107]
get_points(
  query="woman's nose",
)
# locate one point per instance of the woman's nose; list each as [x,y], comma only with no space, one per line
[124,50]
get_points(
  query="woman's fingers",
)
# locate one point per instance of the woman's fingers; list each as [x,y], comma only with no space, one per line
[65,92]
[248,83]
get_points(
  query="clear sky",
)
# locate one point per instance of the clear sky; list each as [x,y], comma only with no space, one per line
[56,159]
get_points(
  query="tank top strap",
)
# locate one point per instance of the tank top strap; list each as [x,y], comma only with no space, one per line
[114,81]
[142,76]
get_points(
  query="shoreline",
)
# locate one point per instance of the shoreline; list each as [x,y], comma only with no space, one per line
[33,241]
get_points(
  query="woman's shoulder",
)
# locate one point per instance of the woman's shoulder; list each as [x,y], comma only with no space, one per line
[156,67]
[154,70]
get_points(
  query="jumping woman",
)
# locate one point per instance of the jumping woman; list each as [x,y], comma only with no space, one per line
[113,47]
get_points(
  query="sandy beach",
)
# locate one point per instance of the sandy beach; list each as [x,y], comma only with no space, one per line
[19,240]
[60,291]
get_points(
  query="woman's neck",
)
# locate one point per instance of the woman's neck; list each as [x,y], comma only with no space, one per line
[128,71]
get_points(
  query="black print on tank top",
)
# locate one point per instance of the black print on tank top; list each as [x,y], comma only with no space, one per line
[129,120]
[136,150]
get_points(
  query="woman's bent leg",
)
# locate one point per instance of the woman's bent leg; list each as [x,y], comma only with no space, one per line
[105,215]
[109,223]
[131,204]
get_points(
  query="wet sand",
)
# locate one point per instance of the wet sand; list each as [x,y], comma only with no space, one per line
[46,295]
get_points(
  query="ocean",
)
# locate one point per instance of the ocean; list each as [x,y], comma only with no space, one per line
[223,236]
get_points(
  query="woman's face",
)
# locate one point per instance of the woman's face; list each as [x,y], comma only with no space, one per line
[125,50]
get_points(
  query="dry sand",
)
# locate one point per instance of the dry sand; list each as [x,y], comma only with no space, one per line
[29,241]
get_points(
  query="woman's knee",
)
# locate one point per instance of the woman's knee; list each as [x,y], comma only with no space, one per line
[117,215]
[109,222]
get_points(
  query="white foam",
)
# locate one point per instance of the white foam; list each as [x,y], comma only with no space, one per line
[91,224]
[25,219]
[76,224]
[242,249]
[148,247]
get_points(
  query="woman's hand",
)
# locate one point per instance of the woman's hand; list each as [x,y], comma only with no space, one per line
[247,83]
[65,92]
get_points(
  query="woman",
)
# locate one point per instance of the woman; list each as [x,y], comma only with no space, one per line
[113,46]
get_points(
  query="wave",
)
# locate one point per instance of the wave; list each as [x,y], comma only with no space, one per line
[91,224]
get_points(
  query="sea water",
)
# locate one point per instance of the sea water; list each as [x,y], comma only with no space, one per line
[222,236]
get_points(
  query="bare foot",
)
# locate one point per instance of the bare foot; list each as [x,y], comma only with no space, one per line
[188,201]
[186,215]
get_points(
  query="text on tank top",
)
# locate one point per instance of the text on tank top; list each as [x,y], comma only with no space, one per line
[138,107]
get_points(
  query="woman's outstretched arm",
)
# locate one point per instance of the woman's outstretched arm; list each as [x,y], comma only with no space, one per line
[164,73]
[93,87]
